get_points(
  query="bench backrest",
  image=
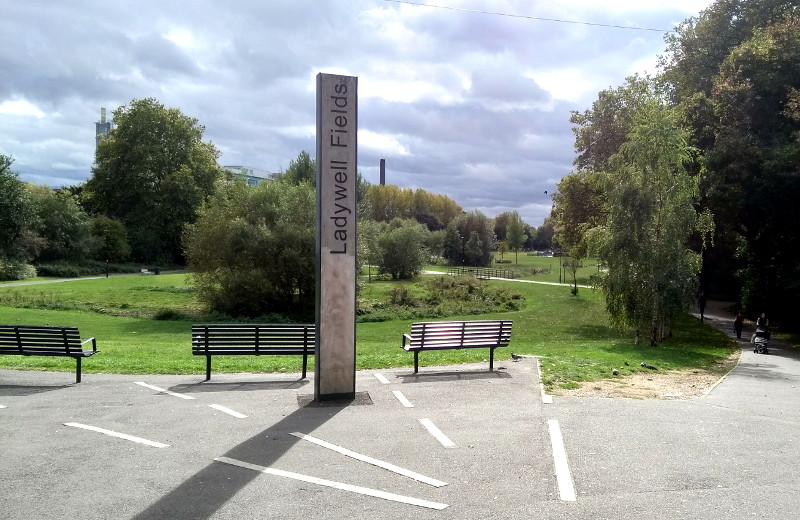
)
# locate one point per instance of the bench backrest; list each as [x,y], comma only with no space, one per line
[476,333]
[39,339]
[272,339]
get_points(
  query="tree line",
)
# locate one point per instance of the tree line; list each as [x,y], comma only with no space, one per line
[157,196]
[686,183]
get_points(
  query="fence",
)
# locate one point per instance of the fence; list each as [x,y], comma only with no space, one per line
[483,273]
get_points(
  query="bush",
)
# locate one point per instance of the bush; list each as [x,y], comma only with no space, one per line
[15,270]
[65,269]
[445,296]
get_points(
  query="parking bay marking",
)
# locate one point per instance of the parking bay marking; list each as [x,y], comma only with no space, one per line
[228,411]
[381,378]
[369,460]
[566,488]
[400,397]
[337,485]
[157,389]
[118,435]
[437,433]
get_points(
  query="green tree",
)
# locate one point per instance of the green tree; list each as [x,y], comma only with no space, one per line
[543,237]
[651,272]
[153,173]
[516,234]
[601,130]
[473,249]
[579,206]
[16,213]
[112,239]
[732,74]
[301,169]
[251,250]
[434,241]
[502,248]
[61,224]
[369,250]
[403,251]
[460,233]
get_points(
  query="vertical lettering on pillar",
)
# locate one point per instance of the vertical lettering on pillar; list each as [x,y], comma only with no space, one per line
[337,115]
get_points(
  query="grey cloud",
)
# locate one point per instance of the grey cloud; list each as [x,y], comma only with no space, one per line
[248,77]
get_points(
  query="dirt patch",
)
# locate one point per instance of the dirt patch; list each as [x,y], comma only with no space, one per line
[678,384]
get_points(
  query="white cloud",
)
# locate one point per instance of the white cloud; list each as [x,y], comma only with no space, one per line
[20,107]
[383,145]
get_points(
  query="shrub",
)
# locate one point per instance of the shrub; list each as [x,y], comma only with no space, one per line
[16,270]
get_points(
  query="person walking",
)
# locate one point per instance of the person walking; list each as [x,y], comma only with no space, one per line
[738,323]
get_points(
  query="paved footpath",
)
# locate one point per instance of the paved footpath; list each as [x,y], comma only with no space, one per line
[450,443]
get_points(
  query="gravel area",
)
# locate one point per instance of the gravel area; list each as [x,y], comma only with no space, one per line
[681,384]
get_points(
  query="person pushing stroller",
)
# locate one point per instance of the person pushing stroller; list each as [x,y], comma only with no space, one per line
[762,335]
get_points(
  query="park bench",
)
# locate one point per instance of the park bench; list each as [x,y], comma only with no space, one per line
[45,340]
[454,335]
[253,340]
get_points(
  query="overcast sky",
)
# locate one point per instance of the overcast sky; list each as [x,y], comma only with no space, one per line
[472,105]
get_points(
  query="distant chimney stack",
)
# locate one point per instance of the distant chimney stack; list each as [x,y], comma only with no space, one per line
[383,172]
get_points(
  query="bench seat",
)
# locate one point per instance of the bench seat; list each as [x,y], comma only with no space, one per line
[46,340]
[253,340]
[454,335]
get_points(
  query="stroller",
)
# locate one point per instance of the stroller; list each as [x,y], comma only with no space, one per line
[760,339]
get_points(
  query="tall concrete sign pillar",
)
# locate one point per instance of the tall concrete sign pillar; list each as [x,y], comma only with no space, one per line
[337,125]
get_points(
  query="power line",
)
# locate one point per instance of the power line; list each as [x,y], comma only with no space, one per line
[632,28]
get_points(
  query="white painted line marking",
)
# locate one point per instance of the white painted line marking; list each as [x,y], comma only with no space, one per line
[436,432]
[337,485]
[117,434]
[370,460]
[565,487]
[381,378]
[157,389]
[228,411]
[400,397]
[3,406]
[546,399]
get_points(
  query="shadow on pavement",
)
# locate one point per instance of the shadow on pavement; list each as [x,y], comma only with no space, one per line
[22,390]
[200,496]
[453,376]
[210,386]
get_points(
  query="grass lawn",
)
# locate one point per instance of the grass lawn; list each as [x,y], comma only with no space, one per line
[572,334]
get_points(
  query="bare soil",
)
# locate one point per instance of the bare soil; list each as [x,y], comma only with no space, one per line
[679,384]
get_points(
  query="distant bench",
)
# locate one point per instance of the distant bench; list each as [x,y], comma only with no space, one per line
[45,340]
[253,340]
[454,335]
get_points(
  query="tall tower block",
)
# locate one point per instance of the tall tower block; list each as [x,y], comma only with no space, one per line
[102,128]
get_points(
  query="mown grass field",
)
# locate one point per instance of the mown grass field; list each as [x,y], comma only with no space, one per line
[572,334]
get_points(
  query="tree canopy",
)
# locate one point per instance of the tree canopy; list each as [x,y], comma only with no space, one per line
[153,173]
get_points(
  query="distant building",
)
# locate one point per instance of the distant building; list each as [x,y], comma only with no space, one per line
[102,128]
[253,176]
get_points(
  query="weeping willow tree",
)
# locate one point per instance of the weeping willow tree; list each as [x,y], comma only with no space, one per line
[652,272]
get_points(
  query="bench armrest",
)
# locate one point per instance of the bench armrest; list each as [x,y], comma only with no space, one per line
[406,337]
[94,343]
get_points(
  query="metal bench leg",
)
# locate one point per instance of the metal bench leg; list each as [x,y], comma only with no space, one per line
[208,368]
[77,370]
[491,360]
[416,361]
[305,364]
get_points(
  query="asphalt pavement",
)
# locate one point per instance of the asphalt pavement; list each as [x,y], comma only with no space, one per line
[456,442]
